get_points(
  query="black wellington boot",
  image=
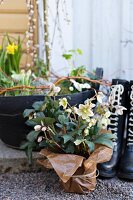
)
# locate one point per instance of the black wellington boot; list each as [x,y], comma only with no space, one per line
[119,92]
[126,163]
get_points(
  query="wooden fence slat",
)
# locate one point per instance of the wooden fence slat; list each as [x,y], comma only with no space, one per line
[13,6]
[13,23]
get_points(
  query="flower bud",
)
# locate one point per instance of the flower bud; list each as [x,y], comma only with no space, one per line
[37,127]
[44,128]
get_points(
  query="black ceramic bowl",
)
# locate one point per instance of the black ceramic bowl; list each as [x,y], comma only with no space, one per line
[13,129]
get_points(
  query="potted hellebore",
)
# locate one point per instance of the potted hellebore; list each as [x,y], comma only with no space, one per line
[73,139]
[19,89]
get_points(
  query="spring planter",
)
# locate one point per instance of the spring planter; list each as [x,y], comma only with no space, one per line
[76,173]
[13,129]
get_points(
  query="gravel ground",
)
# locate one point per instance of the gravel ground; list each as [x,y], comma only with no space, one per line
[45,186]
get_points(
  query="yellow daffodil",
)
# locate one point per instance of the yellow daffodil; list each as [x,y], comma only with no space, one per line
[63,102]
[11,48]
[0,47]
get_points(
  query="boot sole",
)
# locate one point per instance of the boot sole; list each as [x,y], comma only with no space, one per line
[128,176]
[107,174]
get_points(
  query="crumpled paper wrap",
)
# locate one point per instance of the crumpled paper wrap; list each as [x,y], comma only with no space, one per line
[76,173]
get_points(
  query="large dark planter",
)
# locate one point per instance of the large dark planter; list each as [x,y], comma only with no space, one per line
[13,129]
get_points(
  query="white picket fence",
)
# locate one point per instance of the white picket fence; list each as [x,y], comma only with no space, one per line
[103,29]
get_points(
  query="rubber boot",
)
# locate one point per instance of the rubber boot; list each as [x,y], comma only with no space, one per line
[126,163]
[119,92]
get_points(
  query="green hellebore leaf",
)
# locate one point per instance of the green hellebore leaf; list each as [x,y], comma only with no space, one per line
[43,144]
[46,120]
[63,119]
[67,138]
[105,142]
[24,145]
[32,136]
[37,105]
[29,151]
[27,112]
[30,123]
[40,114]
[91,146]
[59,125]
[105,139]
[70,148]
[109,136]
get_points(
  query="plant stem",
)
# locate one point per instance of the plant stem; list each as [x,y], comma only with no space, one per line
[46,36]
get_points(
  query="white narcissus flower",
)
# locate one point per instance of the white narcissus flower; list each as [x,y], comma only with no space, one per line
[84,111]
[44,128]
[37,127]
[100,97]
[119,109]
[63,102]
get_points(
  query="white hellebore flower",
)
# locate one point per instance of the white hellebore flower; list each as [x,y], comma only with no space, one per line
[37,127]
[84,111]
[92,122]
[63,102]
[80,86]
[86,131]
[107,114]
[44,128]
[104,122]
[77,85]
[100,97]
[119,109]
[68,110]
[54,90]
[89,102]
[86,85]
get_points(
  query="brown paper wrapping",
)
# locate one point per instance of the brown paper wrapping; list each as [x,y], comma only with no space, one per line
[76,173]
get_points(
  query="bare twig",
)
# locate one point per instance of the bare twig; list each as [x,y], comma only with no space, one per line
[81,77]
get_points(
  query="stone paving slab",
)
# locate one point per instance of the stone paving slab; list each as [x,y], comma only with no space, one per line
[45,186]
[15,161]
